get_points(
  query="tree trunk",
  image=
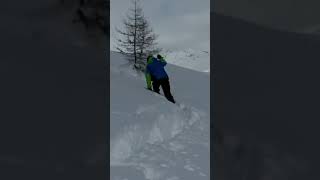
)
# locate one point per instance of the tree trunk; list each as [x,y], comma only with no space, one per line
[135,33]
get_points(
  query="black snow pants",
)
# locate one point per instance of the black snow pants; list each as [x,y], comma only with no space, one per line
[165,84]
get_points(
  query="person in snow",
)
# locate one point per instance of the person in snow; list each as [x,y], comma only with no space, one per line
[156,75]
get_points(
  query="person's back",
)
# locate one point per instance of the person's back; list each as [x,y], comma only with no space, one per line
[156,68]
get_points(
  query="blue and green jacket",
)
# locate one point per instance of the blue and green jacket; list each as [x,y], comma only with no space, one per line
[155,70]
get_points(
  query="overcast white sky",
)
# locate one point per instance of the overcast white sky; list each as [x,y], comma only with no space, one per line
[180,24]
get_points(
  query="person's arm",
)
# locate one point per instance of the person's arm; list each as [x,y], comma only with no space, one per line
[163,62]
[148,78]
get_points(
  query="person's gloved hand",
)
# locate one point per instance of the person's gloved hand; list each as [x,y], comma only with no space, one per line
[149,88]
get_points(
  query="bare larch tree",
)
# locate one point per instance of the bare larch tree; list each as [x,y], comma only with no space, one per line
[137,39]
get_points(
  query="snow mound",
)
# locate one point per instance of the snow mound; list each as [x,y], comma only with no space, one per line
[151,125]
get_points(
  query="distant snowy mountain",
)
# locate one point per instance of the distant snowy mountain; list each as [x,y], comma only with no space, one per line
[151,138]
[189,58]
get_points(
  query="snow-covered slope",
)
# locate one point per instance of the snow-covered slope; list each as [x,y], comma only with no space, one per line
[152,138]
[189,58]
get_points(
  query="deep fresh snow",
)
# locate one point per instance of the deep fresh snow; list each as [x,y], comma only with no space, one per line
[151,138]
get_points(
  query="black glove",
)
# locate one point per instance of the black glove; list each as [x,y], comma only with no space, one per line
[149,89]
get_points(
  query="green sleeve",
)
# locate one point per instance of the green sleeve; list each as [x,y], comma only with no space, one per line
[148,79]
[162,60]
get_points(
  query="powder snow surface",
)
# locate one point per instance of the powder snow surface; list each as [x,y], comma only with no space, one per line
[151,138]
